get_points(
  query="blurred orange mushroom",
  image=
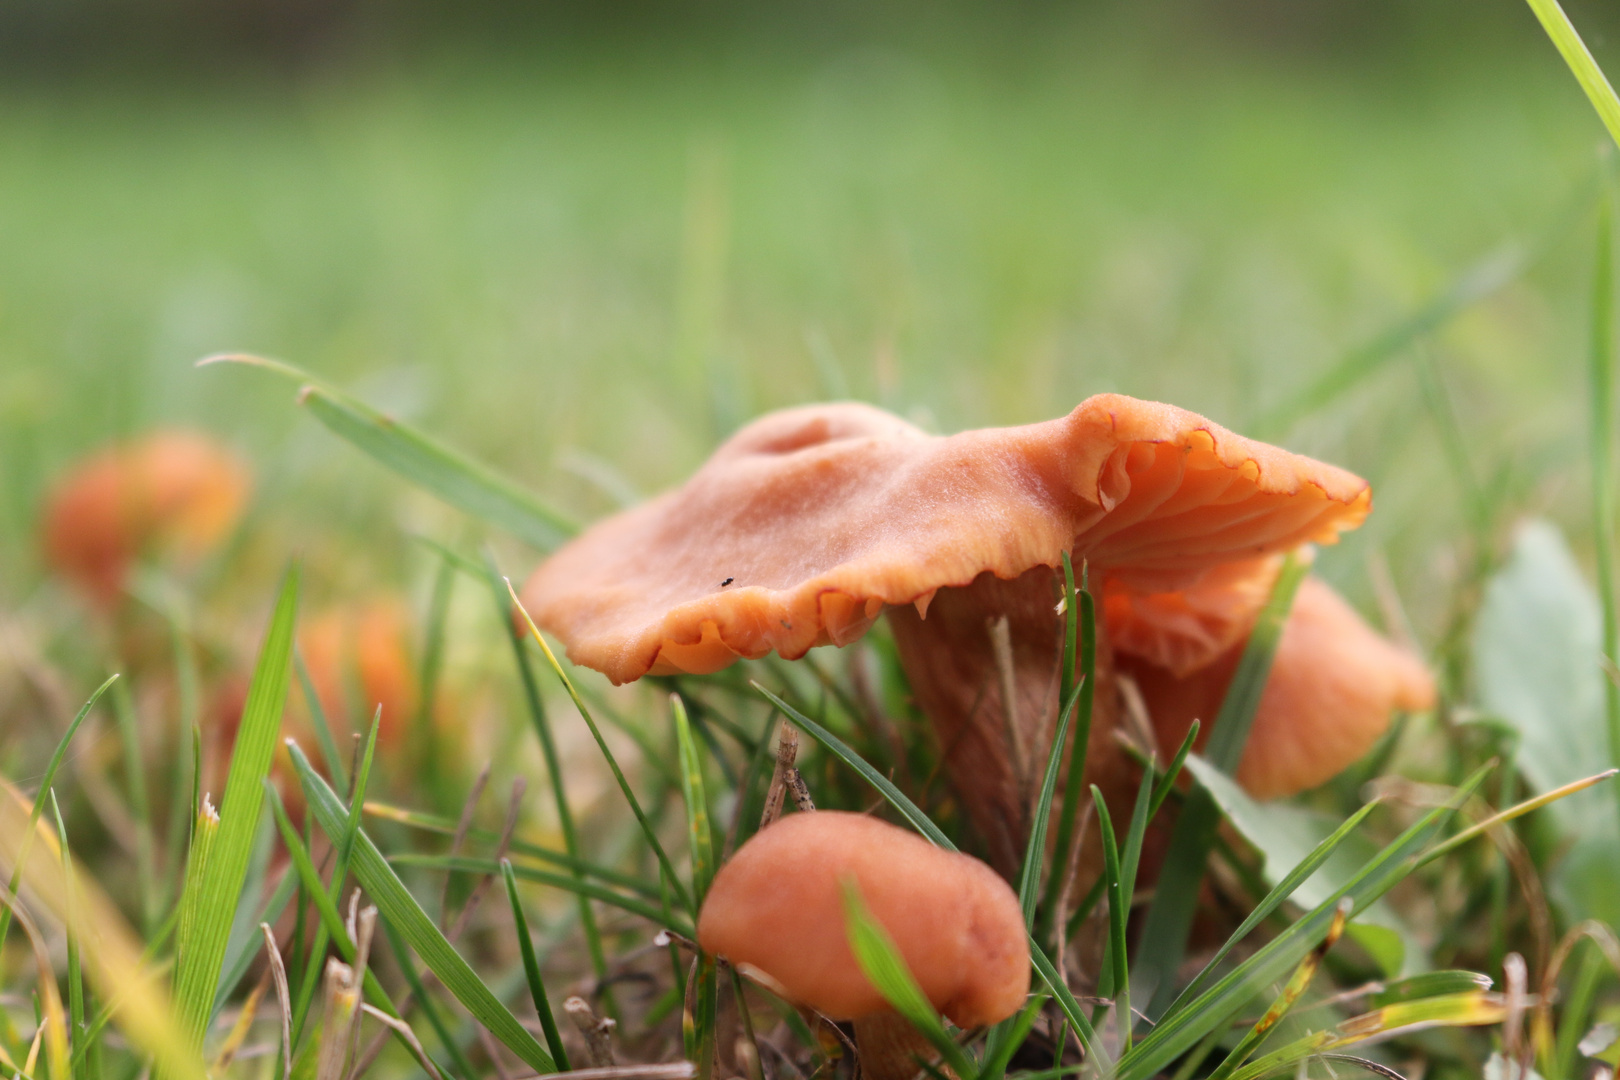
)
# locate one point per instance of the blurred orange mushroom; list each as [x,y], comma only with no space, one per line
[177,491]
[360,655]
[809,522]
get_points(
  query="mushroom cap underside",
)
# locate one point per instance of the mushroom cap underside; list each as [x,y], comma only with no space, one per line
[808,521]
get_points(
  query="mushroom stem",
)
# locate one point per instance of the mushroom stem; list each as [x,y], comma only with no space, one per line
[890,1048]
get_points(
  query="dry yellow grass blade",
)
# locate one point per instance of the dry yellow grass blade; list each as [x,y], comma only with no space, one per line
[112,953]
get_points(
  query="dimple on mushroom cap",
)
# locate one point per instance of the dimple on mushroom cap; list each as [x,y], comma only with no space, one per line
[808,521]
[1334,683]
[777,905]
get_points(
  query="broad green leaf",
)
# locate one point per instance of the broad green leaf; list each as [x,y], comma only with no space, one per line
[425,461]
[1285,835]
[406,917]
[1536,647]
[219,886]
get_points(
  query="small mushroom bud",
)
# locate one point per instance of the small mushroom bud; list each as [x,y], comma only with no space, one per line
[777,906]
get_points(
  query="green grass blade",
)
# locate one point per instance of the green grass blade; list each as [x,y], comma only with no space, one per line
[1185,1026]
[1118,984]
[466,484]
[446,827]
[697,807]
[465,864]
[1272,901]
[1029,881]
[1080,620]
[140,804]
[548,749]
[47,780]
[1164,933]
[531,970]
[424,1001]
[613,763]
[424,738]
[994,1066]
[406,916]
[920,821]
[886,969]
[1580,61]
[220,887]
[75,974]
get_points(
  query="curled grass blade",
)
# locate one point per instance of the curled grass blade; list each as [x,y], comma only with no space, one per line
[406,917]
[423,460]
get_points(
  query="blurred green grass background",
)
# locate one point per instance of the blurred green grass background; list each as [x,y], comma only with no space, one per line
[579,242]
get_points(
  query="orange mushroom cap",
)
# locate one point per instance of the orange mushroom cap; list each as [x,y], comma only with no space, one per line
[808,521]
[1333,685]
[366,644]
[777,906]
[177,489]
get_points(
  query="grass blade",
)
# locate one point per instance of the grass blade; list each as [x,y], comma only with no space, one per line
[1184,1026]
[1080,620]
[464,864]
[531,969]
[219,887]
[47,780]
[407,918]
[1029,881]
[1580,61]
[75,976]
[618,774]
[883,965]
[697,807]
[1119,910]
[548,749]
[1164,934]
[459,480]
[1297,984]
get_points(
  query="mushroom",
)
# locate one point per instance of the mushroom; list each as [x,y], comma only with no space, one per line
[175,489]
[1333,685]
[776,910]
[808,522]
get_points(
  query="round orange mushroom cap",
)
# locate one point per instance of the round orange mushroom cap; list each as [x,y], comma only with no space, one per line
[807,522]
[1334,683]
[778,907]
[177,489]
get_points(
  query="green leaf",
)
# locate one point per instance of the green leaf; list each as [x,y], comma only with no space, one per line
[1029,881]
[1079,622]
[429,464]
[407,918]
[1119,908]
[1536,649]
[886,969]
[219,887]
[1285,835]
